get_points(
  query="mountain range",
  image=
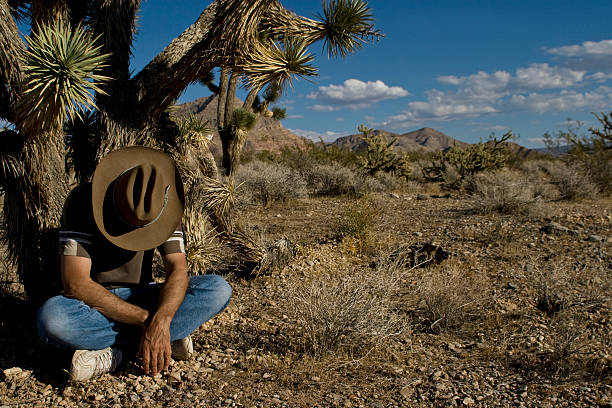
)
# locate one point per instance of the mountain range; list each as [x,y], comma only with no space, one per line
[270,134]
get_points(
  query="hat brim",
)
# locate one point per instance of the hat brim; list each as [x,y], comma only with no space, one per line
[110,225]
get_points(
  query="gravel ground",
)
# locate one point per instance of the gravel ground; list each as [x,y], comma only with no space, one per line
[512,349]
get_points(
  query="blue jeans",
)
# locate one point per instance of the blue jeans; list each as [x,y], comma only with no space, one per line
[70,323]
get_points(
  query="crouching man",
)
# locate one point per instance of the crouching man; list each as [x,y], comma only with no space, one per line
[110,305]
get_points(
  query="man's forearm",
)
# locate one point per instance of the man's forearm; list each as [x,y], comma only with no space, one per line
[111,306]
[172,293]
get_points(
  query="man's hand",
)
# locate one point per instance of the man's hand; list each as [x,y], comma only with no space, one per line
[155,350]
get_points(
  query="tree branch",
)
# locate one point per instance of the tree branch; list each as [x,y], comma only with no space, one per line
[11,73]
[114,21]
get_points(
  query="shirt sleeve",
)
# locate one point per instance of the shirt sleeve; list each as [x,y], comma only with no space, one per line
[75,235]
[173,245]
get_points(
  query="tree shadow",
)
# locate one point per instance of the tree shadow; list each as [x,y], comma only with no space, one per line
[21,346]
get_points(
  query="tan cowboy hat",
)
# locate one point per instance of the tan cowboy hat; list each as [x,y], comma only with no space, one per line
[137,197]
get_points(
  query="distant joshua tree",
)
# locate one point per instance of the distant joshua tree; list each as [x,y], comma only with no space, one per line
[68,98]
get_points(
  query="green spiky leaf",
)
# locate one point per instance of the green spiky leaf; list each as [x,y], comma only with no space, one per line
[279,113]
[61,76]
[346,24]
[279,63]
[243,120]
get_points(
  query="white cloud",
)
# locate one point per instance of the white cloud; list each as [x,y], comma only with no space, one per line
[560,102]
[587,48]
[590,55]
[295,116]
[324,108]
[535,88]
[340,119]
[355,94]
[328,136]
[487,86]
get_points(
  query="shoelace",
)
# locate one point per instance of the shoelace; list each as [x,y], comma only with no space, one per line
[104,363]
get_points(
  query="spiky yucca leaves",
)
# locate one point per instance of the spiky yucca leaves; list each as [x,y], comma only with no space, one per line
[241,119]
[279,62]
[60,77]
[344,26]
[347,25]
[202,248]
[279,113]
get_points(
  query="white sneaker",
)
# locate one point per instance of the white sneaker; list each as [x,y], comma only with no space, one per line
[90,363]
[182,349]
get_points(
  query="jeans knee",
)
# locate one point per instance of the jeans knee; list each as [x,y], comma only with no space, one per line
[216,288]
[223,289]
[51,322]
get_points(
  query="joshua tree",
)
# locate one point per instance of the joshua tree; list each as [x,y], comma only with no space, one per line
[74,69]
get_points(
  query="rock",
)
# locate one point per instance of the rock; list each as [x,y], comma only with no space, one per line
[557,229]
[407,392]
[511,286]
[394,195]
[422,197]
[596,238]
[468,401]
[266,376]
[529,268]
[16,374]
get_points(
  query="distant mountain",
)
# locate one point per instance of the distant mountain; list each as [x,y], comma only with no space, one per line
[268,133]
[425,139]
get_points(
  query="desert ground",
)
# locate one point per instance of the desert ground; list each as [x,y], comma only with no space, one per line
[432,304]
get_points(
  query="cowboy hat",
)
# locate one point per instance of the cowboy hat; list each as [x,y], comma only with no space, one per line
[137,197]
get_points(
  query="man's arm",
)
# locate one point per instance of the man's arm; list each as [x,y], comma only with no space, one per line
[155,349]
[79,285]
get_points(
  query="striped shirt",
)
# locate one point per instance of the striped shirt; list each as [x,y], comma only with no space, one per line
[111,266]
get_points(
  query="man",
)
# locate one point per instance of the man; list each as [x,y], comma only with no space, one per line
[109,306]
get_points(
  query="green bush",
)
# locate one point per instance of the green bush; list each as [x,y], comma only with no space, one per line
[380,157]
[453,166]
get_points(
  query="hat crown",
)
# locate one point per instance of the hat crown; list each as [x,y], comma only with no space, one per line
[140,195]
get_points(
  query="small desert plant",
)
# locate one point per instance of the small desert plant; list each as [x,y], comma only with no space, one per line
[352,310]
[453,166]
[448,297]
[560,287]
[506,192]
[265,183]
[329,179]
[380,157]
[572,181]
[354,225]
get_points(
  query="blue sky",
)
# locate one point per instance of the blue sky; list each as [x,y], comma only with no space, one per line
[466,68]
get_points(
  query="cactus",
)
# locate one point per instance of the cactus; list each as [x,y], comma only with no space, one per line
[379,155]
[483,156]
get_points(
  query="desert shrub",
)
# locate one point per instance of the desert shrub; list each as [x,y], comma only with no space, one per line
[268,182]
[379,156]
[593,151]
[559,287]
[448,297]
[572,180]
[506,192]
[329,179]
[573,349]
[536,172]
[453,166]
[354,225]
[355,310]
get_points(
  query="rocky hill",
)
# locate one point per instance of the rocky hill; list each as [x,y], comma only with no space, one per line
[425,139]
[268,133]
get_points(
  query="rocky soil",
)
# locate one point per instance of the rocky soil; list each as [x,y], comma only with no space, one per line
[535,332]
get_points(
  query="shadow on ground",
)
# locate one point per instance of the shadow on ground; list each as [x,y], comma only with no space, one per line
[21,346]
